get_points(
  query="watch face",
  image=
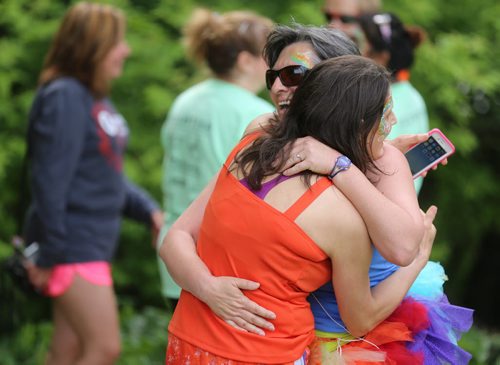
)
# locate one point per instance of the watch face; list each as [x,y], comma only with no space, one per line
[343,162]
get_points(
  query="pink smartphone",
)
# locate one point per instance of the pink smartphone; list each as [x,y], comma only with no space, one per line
[428,154]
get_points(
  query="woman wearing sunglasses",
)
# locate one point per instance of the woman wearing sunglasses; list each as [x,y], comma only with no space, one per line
[292,234]
[223,295]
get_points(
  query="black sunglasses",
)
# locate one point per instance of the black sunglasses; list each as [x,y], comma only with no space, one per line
[289,75]
[346,19]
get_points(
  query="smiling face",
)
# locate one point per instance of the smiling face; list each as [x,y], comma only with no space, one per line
[300,53]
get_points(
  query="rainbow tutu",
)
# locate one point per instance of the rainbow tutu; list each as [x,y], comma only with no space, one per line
[424,329]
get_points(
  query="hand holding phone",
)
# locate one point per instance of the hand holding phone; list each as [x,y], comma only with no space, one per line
[428,154]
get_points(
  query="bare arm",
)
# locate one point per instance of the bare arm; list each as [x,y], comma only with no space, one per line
[222,294]
[360,307]
[389,210]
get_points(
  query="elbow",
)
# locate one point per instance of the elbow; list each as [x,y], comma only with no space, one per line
[399,254]
[409,252]
[361,317]
[404,256]
[164,248]
[359,327]
[404,251]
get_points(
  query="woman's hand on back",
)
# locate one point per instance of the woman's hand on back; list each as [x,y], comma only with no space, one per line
[224,295]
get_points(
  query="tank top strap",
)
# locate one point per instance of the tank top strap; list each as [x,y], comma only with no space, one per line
[308,197]
[247,139]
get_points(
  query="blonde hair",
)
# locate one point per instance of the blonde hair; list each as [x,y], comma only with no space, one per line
[86,35]
[217,39]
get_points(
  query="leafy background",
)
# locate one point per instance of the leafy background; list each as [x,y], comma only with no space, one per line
[456,71]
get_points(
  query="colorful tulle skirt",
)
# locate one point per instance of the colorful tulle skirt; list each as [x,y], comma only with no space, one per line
[424,329]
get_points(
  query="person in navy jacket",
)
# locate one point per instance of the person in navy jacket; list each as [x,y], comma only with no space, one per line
[76,144]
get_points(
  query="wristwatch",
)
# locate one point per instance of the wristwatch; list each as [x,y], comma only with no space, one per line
[341,164]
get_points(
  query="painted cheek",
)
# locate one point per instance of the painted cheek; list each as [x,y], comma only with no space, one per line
[383,128]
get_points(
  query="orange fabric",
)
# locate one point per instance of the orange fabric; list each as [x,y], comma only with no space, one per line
[402,75]
[243,236]
[305,200]
[181,352]
[385,344]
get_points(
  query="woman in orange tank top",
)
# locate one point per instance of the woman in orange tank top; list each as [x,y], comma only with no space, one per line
[388,207]
[301,234]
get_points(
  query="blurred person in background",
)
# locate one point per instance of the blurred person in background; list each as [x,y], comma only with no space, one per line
[382,37]
[344,15]
[205,121]
[391,44]
[76,144]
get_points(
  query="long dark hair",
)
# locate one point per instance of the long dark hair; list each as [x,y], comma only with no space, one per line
[339,103]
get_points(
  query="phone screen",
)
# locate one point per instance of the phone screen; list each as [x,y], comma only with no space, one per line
[424,154]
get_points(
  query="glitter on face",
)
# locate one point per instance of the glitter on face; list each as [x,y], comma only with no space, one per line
[306,59]
[386,123]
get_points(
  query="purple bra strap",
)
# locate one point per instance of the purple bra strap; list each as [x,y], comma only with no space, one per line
[265,187]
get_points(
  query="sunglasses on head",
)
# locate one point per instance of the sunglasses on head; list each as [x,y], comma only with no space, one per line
[289,75]
[346,19]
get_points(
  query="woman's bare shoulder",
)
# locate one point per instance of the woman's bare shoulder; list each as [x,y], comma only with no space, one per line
[258,123]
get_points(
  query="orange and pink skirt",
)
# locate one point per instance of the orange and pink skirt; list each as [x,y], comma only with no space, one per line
[180,352]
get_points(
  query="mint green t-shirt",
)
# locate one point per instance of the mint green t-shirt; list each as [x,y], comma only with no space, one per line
[411,113]
[204,124]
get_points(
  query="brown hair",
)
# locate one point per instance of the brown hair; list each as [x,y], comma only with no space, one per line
[87,33]
[339,103]
[217,39]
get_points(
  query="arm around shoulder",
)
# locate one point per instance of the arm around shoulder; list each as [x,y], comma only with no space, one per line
[178,250]
[389,206]
[222,294]
[361,307]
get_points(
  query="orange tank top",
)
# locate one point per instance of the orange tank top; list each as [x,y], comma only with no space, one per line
[243,236]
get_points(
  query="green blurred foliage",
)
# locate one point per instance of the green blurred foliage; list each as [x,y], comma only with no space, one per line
[456,70]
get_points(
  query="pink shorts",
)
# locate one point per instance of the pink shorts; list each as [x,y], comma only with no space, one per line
[95,272]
